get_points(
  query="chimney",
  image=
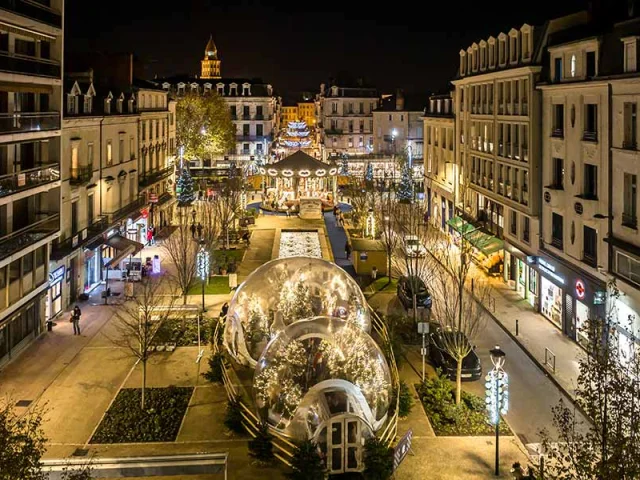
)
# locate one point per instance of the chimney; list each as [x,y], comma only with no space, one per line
[399,100]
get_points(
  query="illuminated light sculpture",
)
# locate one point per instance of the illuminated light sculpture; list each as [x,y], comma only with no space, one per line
[202,268]
[497,395]
[370,227]
[286,290]
[297,135]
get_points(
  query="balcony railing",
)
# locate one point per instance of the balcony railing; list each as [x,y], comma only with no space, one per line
[557,133]
[23,238]
[34,10]
[29,65]
[152,177]
[29,122]
[26,179]
[84,236]
[590,136]
[556,242]
[80,175]
[253,138]
[629,144]
[127,210]
[630,220]
[590,258]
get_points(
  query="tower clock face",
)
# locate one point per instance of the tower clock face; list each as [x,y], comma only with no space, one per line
[210,53]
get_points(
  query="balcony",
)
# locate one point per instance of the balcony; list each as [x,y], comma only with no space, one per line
[23,238]
[590,136]
[557,133]
[253,138]
[29,65]
[333,131]
[629,144]
[259,117]
[150,178]
[86,235]
[23,122]
[557,243]
[26,179]
[630,220]
[80,175]
[137,204]
[164,198]
[34,10]
[590,258]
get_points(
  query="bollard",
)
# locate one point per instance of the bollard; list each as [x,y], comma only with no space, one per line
[517,326]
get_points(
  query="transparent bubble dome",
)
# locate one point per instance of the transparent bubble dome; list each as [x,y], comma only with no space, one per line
[284,291]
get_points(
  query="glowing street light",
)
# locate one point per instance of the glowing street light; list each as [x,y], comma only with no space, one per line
[497,395]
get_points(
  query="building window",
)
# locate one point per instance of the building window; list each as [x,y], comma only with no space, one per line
[557,69]
[573,66]
[590,187]
[558,121]
[513,224]
[361,110]
[590,122]
[259,130]
[246,113]
[525,229]
[132,150]
[591,64]
[121,150]
[590,246]
[245,148]
[630,55]
[109,154]
[557,172]
[90,155]
[334,107]
[628,267]
[246,129]
[557,231]
[233,111]
[259,148]
[629,214]
[630,125]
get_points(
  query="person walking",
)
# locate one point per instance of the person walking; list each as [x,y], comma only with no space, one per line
[199,228]
[149,236]
[193,230]
[224,310]
[75,319]
[341,219]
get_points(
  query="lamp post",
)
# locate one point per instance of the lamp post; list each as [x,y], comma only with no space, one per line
[203,268]
[497,395]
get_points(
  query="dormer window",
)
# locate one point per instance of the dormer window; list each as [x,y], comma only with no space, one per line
[573,66]
[513,46]
[130,105]
[525,39]
[474,56]
[502,50]
[630,54]
[270,90]
[120,103]
[469,60]
[246,89]
[334,91]
[483,55]
[220,88]
[233,89]
[88,104]
[492,52]
[463,63]
[207,88]
[72,104]
[194,87]
[107,103]
[181,87]
[166,86]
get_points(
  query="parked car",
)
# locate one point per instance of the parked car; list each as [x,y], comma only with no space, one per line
[471,366]
[413,247]
[405,292]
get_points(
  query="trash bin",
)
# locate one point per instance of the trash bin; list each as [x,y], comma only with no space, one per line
[49,326]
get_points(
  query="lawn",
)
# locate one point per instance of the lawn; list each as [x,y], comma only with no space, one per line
[381,284]
[184,332]
[217,285]
[467,419]
[125,422]
[228,256]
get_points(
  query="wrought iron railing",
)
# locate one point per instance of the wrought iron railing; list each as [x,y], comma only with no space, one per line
[29,122]
[64,248]
[26,179]
[27,236]
[150,178]
[80,175]
[127,210]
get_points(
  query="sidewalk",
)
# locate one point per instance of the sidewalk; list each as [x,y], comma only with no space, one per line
[338,240]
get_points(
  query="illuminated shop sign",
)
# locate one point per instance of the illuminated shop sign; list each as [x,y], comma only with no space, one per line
[549,270]
[56,276]
[580,289]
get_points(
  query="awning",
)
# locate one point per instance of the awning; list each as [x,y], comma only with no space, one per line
[487,244]
[124,247]
[461,226]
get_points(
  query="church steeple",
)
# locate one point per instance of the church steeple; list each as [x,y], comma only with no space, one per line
[210,63]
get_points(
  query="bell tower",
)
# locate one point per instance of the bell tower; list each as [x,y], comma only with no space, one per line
[210,63]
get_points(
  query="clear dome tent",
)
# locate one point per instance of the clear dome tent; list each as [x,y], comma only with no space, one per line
[286,290]
[320,368]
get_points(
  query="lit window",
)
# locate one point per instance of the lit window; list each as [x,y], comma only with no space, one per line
[573,66]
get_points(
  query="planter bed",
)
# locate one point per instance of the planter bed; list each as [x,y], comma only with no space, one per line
[125,422]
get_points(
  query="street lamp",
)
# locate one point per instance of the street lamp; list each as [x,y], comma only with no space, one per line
[497,395]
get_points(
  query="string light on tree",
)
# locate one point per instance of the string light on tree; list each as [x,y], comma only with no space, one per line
[184,187]
[368,174]
[405,188]
[203,264]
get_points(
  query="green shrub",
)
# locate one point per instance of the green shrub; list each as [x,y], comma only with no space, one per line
[233,416]
[160,421]
[378,460]
[406,400]
[306,463]
[215,368]
[261,447]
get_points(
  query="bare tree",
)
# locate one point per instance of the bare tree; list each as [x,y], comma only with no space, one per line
[386,219]
[182,247]
[228,205]
[140,319]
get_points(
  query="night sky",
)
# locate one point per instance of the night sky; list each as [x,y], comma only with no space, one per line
[296,46]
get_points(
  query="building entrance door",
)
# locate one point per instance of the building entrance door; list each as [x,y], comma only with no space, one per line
[344,445]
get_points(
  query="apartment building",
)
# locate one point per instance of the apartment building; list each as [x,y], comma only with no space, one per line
[31,52]
[442,174]
[498,122]
[115,185]
[254,109]
[345,116]
[398,126]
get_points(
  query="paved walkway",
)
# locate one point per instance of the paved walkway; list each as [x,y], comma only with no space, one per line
[338,240]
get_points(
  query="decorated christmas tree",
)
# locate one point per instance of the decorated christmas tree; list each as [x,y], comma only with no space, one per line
[368,174]
[297,135]
[261,447]
[184,187]
[405,188]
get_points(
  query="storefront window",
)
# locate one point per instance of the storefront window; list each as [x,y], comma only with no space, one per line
[582,316]
[522,273]
[551,301]
[533,281]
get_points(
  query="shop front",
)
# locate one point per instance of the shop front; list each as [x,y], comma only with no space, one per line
[568,298]
[55,302]
[92,261]
[519,275]
[487,251]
